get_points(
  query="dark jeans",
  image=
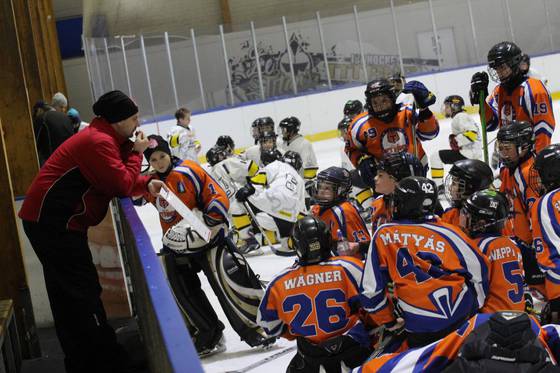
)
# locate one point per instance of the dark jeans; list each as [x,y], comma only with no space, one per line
[73,288]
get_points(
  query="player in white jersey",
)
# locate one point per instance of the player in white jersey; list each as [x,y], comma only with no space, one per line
[398,81]
[182,138]
[258,127]
[293,140]
[277,196]
[464,140]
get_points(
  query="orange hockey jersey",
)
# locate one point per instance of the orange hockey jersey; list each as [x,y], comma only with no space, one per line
[346,218]
[546,240]
[370,136]
[451,216]
[530,101]
[506,274]
[197,189]
[379,213]
[515,184]
[439,276]
[313,301]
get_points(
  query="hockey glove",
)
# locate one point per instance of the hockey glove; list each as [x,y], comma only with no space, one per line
[310,187]
[368,169]
[243,193]
[453,144]
[479,82]
[422,95]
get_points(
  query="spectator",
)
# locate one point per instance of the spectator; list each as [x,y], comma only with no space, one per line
[70,194]
[74,116]
[52,128]
[59,102]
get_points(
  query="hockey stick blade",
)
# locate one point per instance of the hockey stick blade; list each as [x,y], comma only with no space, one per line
[265,360]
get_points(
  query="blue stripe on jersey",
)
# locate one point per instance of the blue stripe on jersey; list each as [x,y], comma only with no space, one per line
[428,135]
[553,338]
[424,357]
[355,132]
[546,130]
[528,110]
[262,307]
[353,272]
[361,220]
[392,363]
[549,226]
[485,243]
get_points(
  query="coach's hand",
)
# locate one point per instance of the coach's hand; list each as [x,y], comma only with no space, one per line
[141,143]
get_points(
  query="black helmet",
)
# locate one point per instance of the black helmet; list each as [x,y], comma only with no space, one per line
[397,78]
[485,211]
[269,156]
[311,238]
[291,124]
[343,126]
[456,103]
[260,125]
[381,87]
[520,133]
[353,108]
[293,159]
[216,154]
[226,142]
[339,179]
[507,53]
[466,177]
[415,197]
[526,59]
[545,174]
[267,135]
[401,165]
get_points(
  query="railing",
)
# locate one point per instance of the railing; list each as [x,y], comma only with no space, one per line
[204,72]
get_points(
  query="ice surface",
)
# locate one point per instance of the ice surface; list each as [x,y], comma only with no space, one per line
[239,354]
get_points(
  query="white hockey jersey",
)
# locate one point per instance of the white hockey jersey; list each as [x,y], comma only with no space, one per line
[467,134]
[253,153]
[301,145]
[232,173]
[283,193]
[183,143]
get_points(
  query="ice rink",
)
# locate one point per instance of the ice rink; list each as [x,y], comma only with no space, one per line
[238,354]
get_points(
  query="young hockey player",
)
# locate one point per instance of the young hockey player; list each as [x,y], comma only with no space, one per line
[294,141]
[392,169]
[316,302]
[499,342]
[482,217]
[464,139]
[187,253]
[352,109]
[258,127]
[398,81]
[267,141]
[226,142]
[465,177]
[338,213]
[387,127]
[516,97]
[182,138]
[545,218]
[277,197]
[440,278]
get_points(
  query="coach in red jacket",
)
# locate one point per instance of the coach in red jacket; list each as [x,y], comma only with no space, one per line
[70,194]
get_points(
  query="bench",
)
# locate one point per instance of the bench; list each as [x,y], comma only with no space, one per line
[10,352]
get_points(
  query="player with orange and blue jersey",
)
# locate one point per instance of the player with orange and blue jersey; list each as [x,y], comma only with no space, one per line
[465,177]
[316,301]
[339,214]
[388,127]
[440,278]
[479,345]
[545,219]
[482,217]
[516,97]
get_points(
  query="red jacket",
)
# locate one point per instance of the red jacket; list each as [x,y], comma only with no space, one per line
[74,187]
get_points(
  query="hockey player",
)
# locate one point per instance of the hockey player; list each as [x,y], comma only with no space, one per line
[236,287]
[440,278]
[392,169]
[277,197]
[482,217]
[352,108]
[294,141]
[545,218]
[528,71]
[464,139]
[258,126]
[465,177]
[182,138]
[398,81]
[266,142]
[481,345]
[340,215]
[516,97]
[226,142]
[316,302]
[387,127]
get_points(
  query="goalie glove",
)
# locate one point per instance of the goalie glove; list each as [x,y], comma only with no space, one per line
[183,239]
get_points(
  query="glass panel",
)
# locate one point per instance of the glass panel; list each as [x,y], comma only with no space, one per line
[244,77]
[491,24]
[211,56]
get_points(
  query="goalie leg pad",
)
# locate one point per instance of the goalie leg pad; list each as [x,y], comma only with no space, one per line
[238,289]
[203,323]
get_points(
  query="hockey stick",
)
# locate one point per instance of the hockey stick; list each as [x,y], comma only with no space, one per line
[414,139]
[482,110]
[254,219]
[265,360]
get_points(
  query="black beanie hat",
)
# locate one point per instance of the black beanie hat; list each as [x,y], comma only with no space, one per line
[157,143]
[115,106]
